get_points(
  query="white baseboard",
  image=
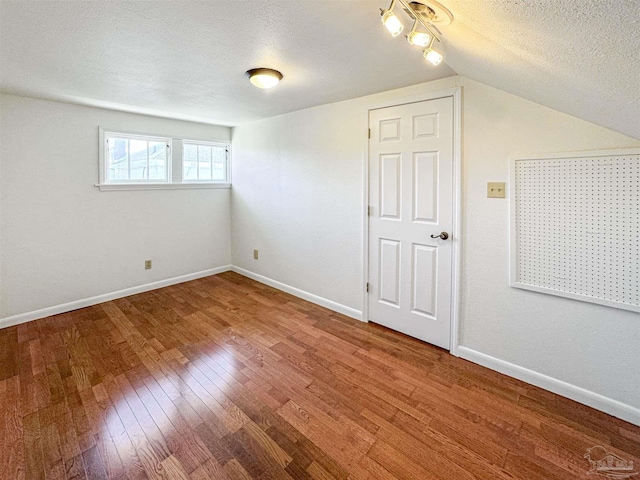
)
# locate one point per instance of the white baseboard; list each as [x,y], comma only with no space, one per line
[87,302]
[310,297]
[586,397]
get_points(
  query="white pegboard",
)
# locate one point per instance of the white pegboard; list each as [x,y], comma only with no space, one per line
[575,226]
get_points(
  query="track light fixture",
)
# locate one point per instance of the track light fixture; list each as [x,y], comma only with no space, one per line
[431,55]
[426,14]
[421,39]
[390,21]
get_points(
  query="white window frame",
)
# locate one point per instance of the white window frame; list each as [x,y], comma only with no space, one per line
[104,164]
[174,163]
[227,149]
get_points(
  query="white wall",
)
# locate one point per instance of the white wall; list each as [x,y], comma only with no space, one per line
[297,197]
[63,240]
[587,345]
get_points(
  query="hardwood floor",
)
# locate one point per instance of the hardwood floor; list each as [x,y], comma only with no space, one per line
[226,378]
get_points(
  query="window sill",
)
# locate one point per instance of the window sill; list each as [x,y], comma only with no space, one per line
[108,187]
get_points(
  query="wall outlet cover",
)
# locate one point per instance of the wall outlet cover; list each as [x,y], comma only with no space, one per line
[496,189]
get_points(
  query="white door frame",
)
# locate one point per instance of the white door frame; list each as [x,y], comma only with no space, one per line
[456,234]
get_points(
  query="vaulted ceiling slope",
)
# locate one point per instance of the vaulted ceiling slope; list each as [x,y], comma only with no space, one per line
[187,59]
[581,57]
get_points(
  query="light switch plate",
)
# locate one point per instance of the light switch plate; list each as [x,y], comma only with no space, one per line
[496,189]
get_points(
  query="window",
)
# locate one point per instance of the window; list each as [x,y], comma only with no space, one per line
[135,158]
[133,161]
[204,162]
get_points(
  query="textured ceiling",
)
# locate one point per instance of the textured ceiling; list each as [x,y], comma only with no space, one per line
[190,58]
[581,57]
[187,59]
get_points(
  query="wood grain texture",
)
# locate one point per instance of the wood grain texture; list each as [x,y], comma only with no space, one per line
[225,378]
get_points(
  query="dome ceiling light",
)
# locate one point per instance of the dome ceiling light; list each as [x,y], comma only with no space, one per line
[264,77]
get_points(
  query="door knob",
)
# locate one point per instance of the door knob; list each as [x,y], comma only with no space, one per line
[443,236]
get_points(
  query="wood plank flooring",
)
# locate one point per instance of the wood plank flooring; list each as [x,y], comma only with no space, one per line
[226,378]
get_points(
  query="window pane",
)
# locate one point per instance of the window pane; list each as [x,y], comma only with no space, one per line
[138,159]
[204,158]
[205,163]
[117,162]
[157,161]
[189,162]
[219,158]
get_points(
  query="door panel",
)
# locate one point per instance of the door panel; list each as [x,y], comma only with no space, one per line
[425,125]
[390,187]
[425,186]
[390,272]
[424,266]
[411,195]
[390,129]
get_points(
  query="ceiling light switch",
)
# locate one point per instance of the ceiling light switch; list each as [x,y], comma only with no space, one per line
[496,189]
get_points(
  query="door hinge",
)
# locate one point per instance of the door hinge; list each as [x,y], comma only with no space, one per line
[367,287]
[369,211]
[369,133]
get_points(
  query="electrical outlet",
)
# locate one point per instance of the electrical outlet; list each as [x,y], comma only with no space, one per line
[496,189]
[147,264]
[255,254]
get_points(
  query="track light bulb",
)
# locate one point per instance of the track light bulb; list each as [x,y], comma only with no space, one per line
[432,56]
[391,22]
[420,39]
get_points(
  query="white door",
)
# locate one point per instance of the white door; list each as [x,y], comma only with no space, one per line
[411,203]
